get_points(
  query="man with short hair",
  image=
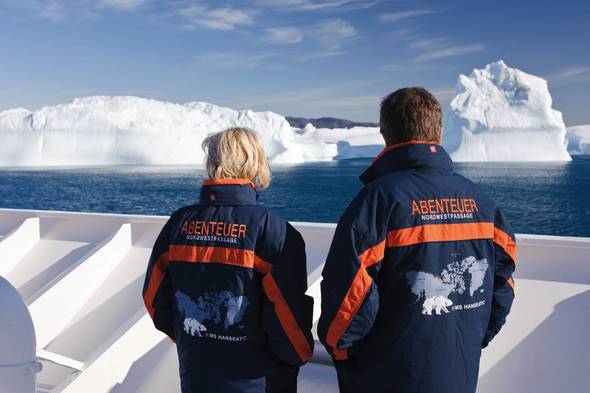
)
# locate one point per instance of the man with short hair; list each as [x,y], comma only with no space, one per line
[419,275]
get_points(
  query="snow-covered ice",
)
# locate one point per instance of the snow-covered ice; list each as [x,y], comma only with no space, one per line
[578,139]
[504,114]
[131,130]
[343,143]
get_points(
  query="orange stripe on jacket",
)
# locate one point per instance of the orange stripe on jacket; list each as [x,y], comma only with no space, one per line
[261,265]
[512,285]
[286,318]
[354,299]
[158,273]
[452,232]
[440,233]
[504,240]
[225,255]
[340,354]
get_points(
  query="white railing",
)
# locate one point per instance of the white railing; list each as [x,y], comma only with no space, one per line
[81,276]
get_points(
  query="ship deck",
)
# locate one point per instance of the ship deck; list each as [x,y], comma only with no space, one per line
[81,274]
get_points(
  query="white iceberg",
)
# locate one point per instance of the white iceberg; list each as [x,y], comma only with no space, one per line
[343,143]
[131,130]
[578,139]
[504,114]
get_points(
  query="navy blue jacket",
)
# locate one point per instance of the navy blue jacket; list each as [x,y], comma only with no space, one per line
[226,280]
[418,278]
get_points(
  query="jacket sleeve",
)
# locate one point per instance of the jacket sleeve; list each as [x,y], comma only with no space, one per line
[287,312]
[504,265]
[157,288]
[350,299]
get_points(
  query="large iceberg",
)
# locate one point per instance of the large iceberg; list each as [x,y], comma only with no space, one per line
[578,139]
[106,130]
[504,114]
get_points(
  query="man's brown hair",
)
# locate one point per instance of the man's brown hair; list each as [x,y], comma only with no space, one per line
[410,114]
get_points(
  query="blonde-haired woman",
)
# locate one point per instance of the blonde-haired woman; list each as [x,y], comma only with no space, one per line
[227,279]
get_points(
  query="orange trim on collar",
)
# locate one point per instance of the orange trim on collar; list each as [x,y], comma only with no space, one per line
[392,147]
[218,182]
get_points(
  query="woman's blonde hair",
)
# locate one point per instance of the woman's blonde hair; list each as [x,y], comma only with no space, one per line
[236,153]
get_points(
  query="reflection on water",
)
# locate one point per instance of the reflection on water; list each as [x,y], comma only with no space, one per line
[542,198]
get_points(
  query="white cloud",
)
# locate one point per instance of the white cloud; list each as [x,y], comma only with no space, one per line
[62,9]
[437,48]
[332,33]
[267,100]
[226,18]
[236,60]
[401,35]
[47,9]
[397,16]
[125,5]
[328,35]
[52,10]
[284,35]
[428,50]
[448,51]
[569,75]
[305,5]
[316,5]
[429,43]
[320,55]
[318,101]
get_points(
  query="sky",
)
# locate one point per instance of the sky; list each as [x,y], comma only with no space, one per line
[307,58]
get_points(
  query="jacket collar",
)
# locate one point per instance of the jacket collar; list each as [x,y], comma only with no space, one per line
[408,155]
[228,192]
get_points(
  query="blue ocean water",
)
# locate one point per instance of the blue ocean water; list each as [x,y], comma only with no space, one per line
[540,198]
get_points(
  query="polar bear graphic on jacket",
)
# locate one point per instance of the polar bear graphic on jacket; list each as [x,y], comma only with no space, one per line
[192,327]
[436,303]
[192,315]
[217,307]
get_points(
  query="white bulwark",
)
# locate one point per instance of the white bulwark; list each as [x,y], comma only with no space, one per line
[81,276]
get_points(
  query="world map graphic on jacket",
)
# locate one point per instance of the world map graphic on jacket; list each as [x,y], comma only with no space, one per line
[459,277]
[216,307]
